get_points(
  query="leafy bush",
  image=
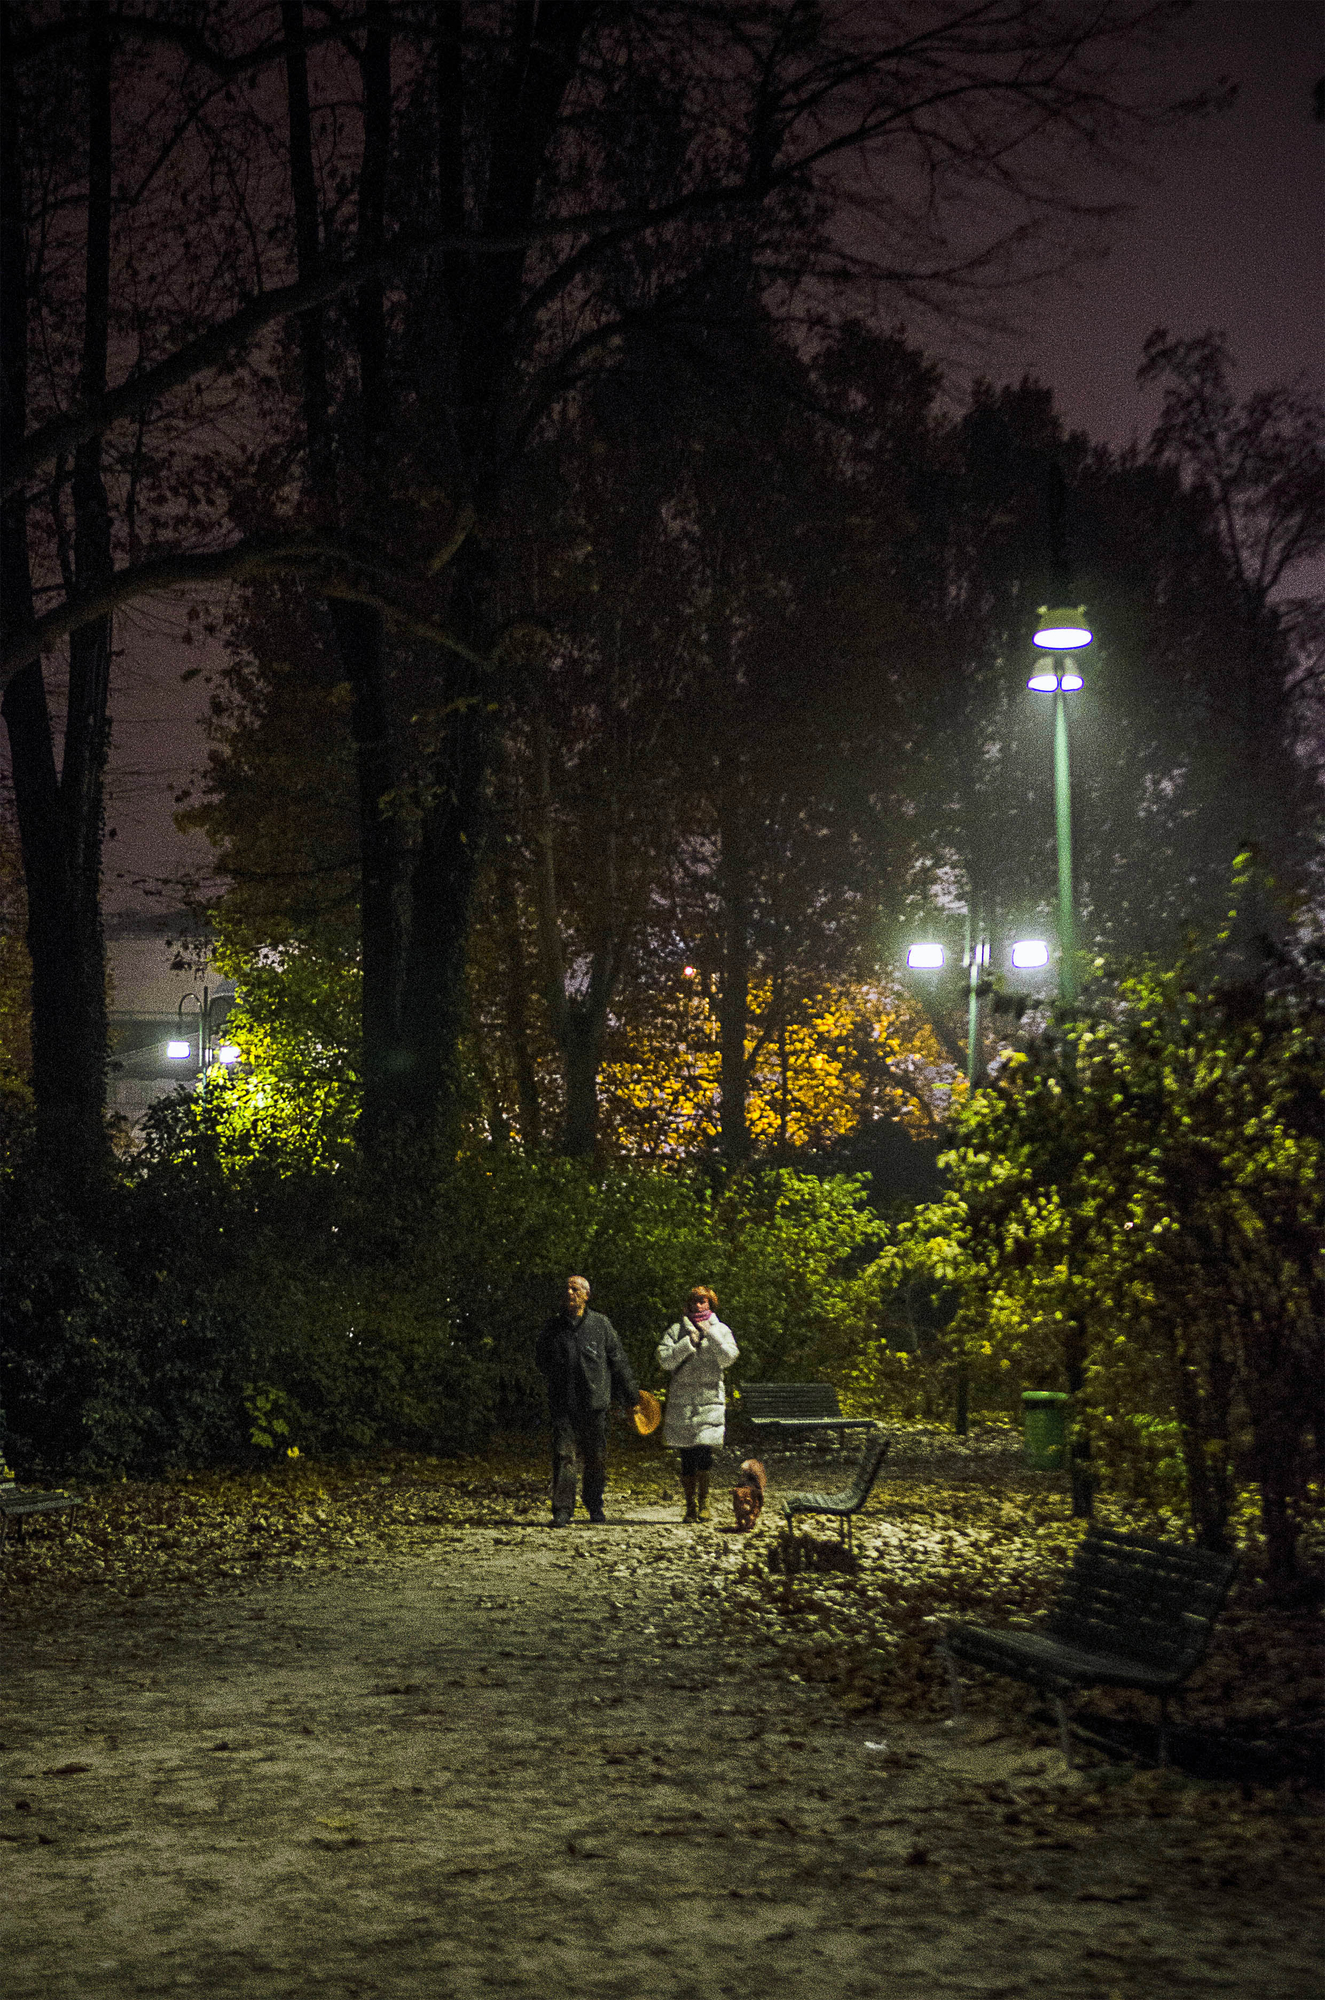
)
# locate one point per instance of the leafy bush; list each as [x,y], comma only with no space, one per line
[1135,1213]
[230,1300]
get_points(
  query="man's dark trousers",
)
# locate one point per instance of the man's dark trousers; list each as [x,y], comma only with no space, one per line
[574,1438]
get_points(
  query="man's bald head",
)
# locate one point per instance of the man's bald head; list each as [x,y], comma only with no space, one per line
[577,1295]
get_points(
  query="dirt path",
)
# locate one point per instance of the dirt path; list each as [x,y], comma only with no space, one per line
[529,1762]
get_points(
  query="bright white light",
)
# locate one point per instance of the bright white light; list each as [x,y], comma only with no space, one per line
[1070,682]
[177,1051]
[924,957]
[1045,683]
[1029,952]
[688,971]
[227,1053]
[1062,630]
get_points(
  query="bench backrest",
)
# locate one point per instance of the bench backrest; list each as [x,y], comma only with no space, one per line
[789,1399]
[1153,1601]
[868,1470]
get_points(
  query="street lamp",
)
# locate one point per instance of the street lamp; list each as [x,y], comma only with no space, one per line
[226,1053]
[1029,952]
[925,957]
[1062,631]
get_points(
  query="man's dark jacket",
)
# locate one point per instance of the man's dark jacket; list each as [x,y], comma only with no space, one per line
[583,1364]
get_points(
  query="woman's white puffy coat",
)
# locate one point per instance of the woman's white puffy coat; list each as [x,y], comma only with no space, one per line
[695,1400]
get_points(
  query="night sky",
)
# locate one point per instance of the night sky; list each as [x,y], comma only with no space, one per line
[1227,230]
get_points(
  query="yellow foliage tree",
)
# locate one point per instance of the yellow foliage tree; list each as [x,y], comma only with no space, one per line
[815,1072]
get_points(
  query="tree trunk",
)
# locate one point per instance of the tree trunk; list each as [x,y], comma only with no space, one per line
[435,1000]
[734,983]
[60,820]
[578,1024]
[390,1086]
[517,1008]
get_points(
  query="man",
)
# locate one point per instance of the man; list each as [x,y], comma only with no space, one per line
[584,1367]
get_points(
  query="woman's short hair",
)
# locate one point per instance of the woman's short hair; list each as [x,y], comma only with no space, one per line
[698,1292]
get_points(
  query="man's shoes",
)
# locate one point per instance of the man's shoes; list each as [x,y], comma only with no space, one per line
[598,1518]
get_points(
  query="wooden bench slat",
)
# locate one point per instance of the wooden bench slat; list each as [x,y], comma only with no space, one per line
[1131,1612]
[18,1504]
[808,1406]
[844,1505]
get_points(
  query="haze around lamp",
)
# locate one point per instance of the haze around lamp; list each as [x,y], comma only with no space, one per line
[1030,952]
[1063,630]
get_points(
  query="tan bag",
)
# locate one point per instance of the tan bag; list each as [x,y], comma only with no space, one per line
[647,1413]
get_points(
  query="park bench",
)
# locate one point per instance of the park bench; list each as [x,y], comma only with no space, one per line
[1131,1613]
[842,1506]
[17,1503]
[796,1406]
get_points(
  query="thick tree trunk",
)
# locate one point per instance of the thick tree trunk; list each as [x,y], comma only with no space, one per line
[389,1079]
[60,820]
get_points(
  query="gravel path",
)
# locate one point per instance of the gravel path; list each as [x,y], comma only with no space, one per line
[525,1761]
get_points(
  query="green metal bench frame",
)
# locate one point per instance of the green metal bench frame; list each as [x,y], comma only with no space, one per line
[843,1506]
[796,1406]
[17,1504]
[1132,1612]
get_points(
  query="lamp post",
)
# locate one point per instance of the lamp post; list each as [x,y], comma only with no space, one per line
[1062,632]
[202,1007]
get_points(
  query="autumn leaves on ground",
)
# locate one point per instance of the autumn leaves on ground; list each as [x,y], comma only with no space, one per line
[671,1632]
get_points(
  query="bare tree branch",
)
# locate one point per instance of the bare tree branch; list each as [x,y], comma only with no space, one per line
[256,555]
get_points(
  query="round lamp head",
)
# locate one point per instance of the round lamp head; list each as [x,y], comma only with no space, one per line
[1062,630]
[1030,952]
[177,1051]
[924,957]
[1044,683]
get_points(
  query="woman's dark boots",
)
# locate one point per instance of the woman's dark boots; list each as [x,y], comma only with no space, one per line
[688,1488]
[703,1510]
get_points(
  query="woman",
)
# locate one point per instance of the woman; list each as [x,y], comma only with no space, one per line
[694,1352]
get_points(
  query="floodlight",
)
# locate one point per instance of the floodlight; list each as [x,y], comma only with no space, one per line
[1029,952]
[1063,630]
[178,1051]
[924,957]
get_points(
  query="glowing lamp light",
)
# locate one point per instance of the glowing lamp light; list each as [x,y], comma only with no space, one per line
[178,1051]
[1070,682]
[227,1054]
[688,971]
[1044,683]
[1029,952]
[1062,631]
[924,957]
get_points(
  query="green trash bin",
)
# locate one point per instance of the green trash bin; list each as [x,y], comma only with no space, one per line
[1046,1429]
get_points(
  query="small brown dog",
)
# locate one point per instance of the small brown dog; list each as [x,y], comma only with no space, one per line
[748,1497]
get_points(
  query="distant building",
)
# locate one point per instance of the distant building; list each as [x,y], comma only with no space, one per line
[157,1013]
